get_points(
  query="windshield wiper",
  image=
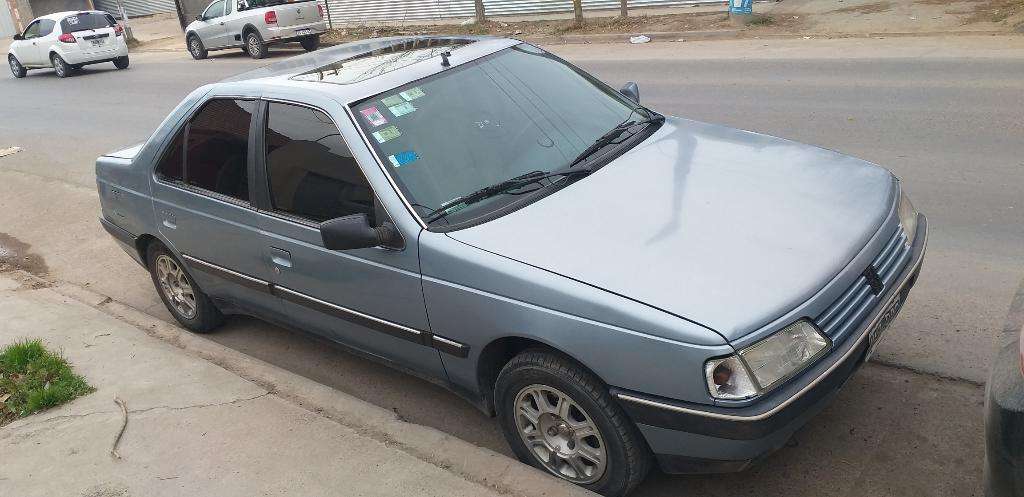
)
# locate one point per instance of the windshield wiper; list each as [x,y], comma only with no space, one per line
[500,188]
[610,137]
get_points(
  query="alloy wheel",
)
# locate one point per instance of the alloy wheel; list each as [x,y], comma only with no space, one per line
[59,67]
[254,45]
[175,286]
[560,434]
[194,47]
[14,65]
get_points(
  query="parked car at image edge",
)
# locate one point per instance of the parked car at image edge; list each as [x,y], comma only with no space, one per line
[1004,423]
[66,41]
[253,25]
[620,288]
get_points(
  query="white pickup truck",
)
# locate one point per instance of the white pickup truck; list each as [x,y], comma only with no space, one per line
[252,25]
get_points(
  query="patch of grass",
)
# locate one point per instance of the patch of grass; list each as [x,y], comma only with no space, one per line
[33,379]
[762,21]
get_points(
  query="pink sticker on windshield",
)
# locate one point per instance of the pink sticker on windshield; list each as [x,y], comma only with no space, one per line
[373,116]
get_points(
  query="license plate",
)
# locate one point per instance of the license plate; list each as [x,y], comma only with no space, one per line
[97,43]
[892,309]
[305,31]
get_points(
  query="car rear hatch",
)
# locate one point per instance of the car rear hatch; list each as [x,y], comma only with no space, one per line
[93,31]
[295,13]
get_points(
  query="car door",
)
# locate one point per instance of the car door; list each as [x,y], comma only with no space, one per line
[212,27]
[27,50]
[234,21]
[370,299]
[202,204]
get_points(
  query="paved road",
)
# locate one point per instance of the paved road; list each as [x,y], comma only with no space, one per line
[945,115]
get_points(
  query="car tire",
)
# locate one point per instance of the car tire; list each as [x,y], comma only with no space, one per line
[254,45]
[17,69]
[196,48]
[179,292]
[310,43]
[578,425]
[121,62]
[60,68]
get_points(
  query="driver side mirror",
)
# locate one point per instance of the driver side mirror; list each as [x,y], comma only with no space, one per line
[200,17]
[18,37]
[355,232]
[631,91]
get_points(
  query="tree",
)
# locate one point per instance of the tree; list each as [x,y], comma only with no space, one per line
[623,10]
[479,5]
[577,11]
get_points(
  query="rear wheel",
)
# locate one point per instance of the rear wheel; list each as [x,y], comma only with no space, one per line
[17,69]
[121,62]
[310,43]
[179,292]
[560,418]
[60,68]
[196,48]
[255,46]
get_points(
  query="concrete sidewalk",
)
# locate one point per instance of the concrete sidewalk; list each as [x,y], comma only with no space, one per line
[196,428]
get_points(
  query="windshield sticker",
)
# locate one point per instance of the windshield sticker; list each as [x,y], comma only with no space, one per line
[402,109]
[388,133]
[373,116]
[392,101]
[412,93]
[402,158]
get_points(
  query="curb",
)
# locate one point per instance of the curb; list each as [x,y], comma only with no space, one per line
[722,34]
[470,462]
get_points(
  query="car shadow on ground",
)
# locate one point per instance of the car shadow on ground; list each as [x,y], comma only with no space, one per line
[888,432]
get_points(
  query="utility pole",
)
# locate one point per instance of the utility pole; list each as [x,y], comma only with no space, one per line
[128,36]
[623,10]
[577,11]
[479,6]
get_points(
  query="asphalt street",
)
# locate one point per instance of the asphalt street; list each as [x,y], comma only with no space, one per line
[944,114]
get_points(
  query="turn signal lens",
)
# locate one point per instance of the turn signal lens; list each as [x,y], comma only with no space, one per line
[118,30]
[320,8]
[66,38]
[728,379]
[270,17]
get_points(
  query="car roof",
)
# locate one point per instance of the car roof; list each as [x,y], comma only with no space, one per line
[57,16]
[382,58]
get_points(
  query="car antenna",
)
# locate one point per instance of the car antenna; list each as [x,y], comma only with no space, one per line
[444,59]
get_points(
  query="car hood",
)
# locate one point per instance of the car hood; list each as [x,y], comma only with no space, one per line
[727,228]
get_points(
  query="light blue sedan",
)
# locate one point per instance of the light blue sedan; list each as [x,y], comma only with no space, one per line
[620,288]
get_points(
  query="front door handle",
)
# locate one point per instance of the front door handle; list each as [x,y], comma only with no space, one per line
[280,258]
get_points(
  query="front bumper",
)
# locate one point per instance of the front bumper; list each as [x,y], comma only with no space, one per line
[693,438]
[1004,426]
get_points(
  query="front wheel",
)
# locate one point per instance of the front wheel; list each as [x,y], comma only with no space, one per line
[60,68]
[121,62]
[310,43]
[196,48]
[255,46]
[560,418]
[17,69]
[179,292]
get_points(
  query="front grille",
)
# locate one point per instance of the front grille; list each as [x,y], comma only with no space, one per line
[850,309]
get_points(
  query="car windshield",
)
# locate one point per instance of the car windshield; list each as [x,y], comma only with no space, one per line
[506,114]
[85,21]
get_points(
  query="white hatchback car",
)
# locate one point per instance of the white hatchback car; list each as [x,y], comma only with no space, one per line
[67,41]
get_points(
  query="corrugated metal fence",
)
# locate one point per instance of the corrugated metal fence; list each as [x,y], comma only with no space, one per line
[137,7]
[357,11]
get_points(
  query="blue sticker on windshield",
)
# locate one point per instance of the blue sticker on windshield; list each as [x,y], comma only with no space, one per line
[402,158]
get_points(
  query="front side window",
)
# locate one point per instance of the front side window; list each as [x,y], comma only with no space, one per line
[310,171]
[513,112]
[32,31]
[216,9]
[211,151]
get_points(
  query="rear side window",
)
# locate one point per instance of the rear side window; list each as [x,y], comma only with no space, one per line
[46,26]
[310,169]
[84,22]
[211,152]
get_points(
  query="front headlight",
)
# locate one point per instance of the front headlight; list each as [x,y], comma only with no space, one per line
[763,365]
[908,217]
